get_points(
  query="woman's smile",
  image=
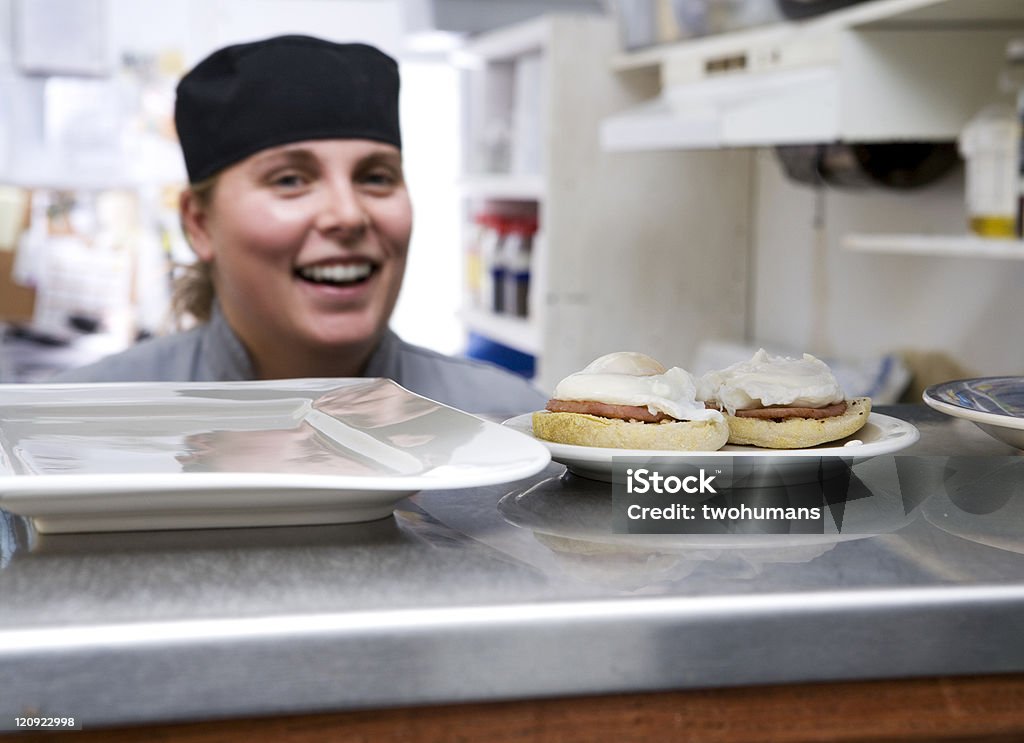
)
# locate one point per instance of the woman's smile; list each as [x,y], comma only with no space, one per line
[350,282]
[336,274]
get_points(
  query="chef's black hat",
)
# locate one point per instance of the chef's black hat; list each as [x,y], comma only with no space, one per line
[244,98]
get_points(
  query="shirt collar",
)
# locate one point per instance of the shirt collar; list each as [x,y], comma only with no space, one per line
[222,353]
[225,358]
[384,361]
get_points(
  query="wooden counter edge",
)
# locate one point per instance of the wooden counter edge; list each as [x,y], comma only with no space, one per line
[977,708]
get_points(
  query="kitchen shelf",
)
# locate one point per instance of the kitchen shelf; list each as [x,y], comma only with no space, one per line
[512,187]
[608,267]
[867,73]
[514,332]
[952,246]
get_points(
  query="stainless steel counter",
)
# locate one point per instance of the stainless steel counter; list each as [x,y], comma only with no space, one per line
[450,602]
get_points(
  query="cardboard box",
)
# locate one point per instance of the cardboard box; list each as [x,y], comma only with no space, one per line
[17,302]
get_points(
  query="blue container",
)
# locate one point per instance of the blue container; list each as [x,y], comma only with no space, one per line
[484,349]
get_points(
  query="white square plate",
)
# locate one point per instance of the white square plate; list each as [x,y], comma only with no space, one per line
[112,457]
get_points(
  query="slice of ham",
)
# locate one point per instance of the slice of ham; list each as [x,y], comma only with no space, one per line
[605,410]
[782,413]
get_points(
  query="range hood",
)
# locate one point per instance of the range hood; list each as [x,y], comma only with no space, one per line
[783,107]
[889,70]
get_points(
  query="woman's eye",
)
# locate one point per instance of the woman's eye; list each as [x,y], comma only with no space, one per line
[288,181]
[380,178]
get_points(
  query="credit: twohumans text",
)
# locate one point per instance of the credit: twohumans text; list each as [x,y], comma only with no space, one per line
[721,495]
[743,512]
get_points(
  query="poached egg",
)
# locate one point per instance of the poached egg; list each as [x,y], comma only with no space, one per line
[765,380]
[630,378]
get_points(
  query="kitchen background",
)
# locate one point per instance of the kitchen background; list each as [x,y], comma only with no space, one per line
[678,178]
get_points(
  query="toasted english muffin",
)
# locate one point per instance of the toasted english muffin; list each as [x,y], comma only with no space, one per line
[580,429]
[799,433]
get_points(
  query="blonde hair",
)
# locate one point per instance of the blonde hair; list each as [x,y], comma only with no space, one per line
[194,292]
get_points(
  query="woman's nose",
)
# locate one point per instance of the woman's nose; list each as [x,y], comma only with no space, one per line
[341,211]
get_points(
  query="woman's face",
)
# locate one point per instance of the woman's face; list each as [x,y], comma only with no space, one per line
[308,243]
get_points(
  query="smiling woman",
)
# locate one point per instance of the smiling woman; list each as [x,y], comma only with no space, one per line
[300,218]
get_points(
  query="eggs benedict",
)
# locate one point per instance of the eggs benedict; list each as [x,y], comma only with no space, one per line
[628,400]
[777,402]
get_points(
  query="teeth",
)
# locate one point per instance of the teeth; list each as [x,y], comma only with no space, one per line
[337,274]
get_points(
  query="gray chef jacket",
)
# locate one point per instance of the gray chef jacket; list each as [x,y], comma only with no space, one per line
[211,352]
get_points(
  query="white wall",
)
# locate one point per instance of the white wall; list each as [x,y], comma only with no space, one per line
[215,23]
[426,313]
[193,28]
[967,308]
[200,26]
[6,84]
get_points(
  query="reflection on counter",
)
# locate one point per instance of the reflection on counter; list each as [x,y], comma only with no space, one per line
[22,540]
[572,519]
[978,498]
[251,572]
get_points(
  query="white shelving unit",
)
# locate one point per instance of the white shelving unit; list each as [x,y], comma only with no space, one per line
[949,246]
[620,259]
[876,71]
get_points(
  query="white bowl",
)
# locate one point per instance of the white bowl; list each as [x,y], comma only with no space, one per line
[994,404]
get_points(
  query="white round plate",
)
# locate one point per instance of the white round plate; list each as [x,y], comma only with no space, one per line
[882,434]
[994,404]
